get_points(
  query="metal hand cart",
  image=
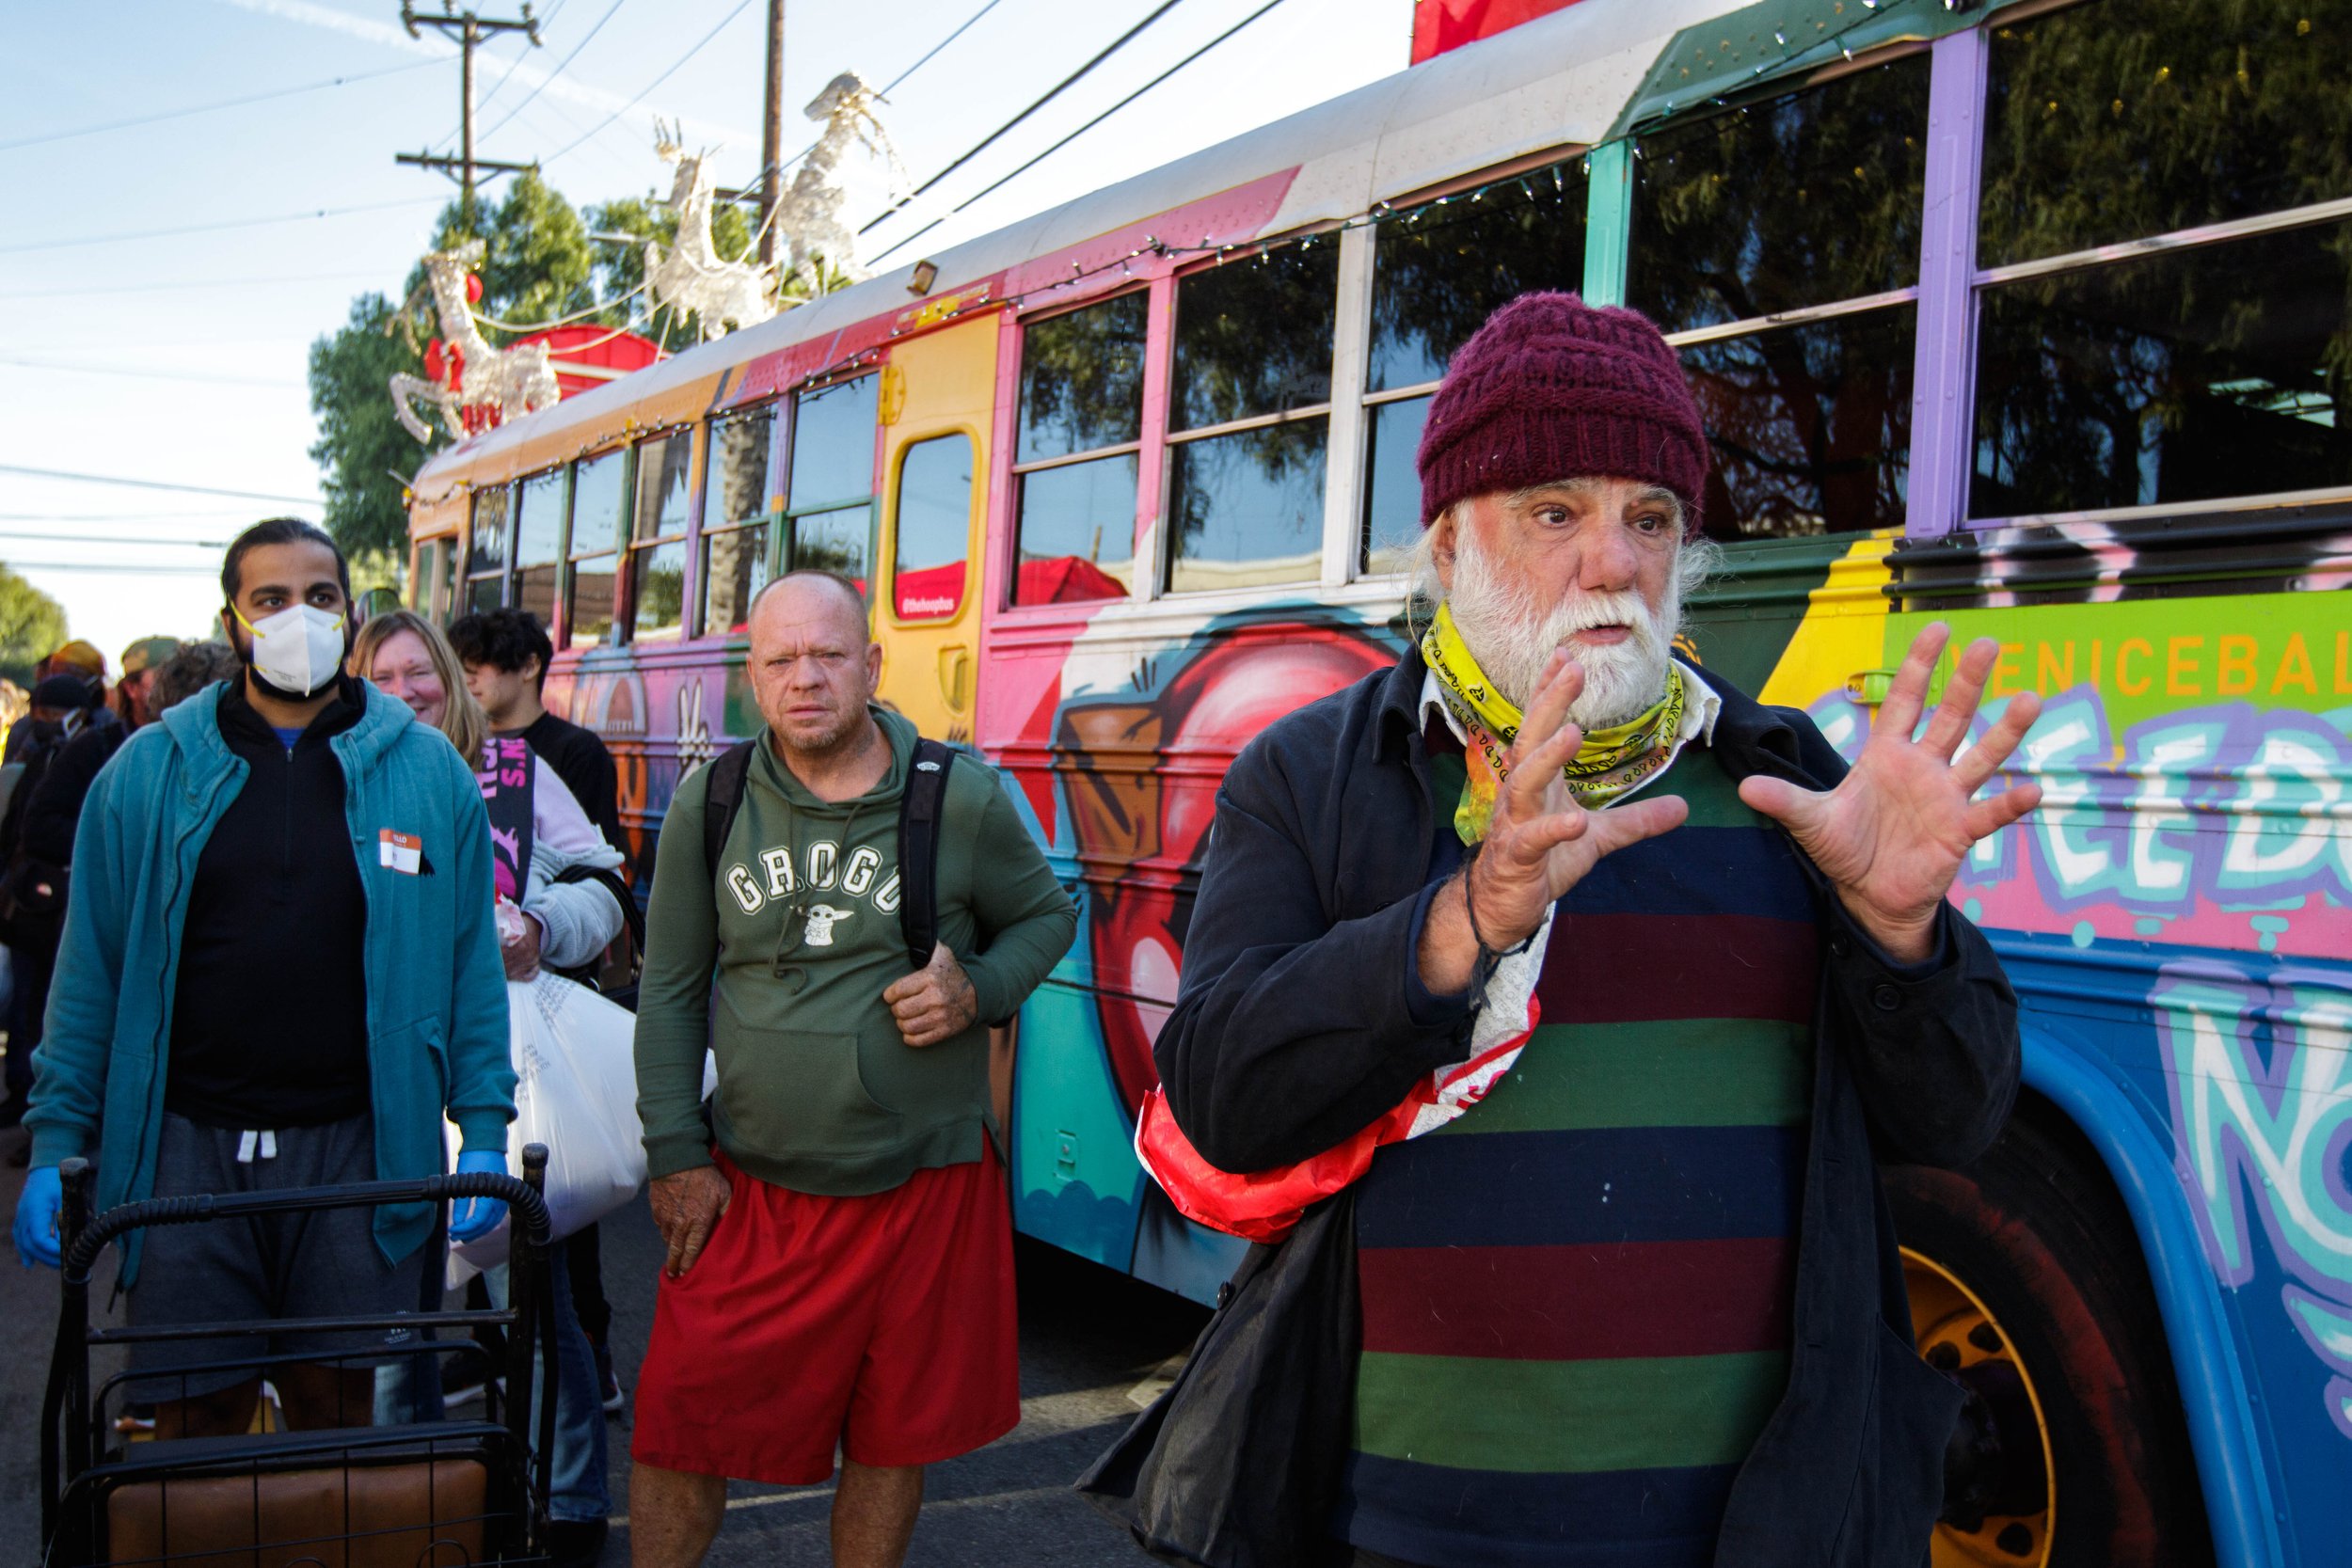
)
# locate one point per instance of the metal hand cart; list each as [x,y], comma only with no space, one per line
[445,1494]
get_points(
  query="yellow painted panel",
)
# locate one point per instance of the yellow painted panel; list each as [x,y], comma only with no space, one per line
[941,383]
[1844,631]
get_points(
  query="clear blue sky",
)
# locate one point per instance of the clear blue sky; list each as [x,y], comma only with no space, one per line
[180,358]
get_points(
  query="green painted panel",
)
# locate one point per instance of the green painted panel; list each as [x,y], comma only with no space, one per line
[1608,221]
[1741,621]
[1764,45]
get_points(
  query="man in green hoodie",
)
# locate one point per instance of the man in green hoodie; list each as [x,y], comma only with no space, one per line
[840,1241]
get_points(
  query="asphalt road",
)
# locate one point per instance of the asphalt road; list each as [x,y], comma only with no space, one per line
[1089,1338]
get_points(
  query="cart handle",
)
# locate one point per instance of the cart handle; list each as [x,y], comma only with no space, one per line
[519,1193]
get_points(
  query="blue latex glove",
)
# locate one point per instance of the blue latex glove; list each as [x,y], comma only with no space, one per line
[469,1218]
[37,1211]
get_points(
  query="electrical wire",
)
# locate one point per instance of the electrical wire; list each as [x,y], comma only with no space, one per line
[202,283]
[550,75]
[1057,89]
[95,539]
[19,566]
[215,227]
[642,93]
[887,91]
[1080,131]
[155,485]
[208,108]
[138,375]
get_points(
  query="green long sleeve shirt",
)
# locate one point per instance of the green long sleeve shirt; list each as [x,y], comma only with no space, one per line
[778,966]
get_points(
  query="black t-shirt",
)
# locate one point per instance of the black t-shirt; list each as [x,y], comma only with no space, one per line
[269,1022]
[579,760]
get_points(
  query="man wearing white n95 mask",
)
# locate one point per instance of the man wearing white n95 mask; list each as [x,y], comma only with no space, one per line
[280,970]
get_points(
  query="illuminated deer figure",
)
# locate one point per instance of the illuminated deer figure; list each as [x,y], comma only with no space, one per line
[692,278]
[809,214]
[504,381]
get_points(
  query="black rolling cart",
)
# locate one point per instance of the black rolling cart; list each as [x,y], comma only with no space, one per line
[445,1494]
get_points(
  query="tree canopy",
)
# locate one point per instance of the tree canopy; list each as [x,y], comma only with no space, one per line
[32,625]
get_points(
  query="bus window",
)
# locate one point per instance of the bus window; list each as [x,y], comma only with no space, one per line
[1798,203]
[486,566]
[734,518]
[538,542]
[829,512]
[1253,379]
[1080,431]
[599,503]
[1437,276]
[2186,372]
[934,529]
[657,557]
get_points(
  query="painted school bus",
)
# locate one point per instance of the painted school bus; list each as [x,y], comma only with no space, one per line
[2028,317]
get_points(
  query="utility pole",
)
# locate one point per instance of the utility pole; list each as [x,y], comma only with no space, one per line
[771,135]
[466,29]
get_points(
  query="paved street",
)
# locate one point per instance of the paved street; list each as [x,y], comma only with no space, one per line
[1087,1337]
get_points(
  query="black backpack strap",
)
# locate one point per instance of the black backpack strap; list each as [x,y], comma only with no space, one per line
[728,778]
[919,816]
[610,882]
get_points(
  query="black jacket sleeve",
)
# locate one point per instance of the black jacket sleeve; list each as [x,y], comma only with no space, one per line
[54,809]
[1290,1031]
[1934,1047]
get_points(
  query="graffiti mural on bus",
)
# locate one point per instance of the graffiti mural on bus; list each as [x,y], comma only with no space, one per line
[1142,742]
[2226,826]
[2260,1070]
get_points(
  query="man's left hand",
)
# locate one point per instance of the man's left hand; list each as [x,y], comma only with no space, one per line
[1892,835]
[935,1003]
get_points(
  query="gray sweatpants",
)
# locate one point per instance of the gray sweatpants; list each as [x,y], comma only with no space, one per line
[319,1265]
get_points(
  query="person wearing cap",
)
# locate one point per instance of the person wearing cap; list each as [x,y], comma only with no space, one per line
[140,661]
[1635,1298]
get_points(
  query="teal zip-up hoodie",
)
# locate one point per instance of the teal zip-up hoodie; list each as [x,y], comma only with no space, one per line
[436,986]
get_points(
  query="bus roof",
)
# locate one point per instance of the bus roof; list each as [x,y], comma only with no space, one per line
[1562,81]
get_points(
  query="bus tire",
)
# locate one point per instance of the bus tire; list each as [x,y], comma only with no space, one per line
[2050,1279]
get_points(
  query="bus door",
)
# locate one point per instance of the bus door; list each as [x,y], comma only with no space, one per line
[937,394]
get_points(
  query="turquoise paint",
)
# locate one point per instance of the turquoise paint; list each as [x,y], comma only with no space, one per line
[1608,222]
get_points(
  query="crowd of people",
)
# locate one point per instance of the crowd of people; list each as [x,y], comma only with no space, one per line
[1635,1300]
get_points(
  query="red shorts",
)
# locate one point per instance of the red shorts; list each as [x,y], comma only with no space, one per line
[883,1325]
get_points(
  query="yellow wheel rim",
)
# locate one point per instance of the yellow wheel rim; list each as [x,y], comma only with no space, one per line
[1954,1330]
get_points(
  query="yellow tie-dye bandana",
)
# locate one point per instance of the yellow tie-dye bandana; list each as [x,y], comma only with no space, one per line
[1608,764]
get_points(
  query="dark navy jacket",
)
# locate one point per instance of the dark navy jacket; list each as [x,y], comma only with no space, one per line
[1301,1019]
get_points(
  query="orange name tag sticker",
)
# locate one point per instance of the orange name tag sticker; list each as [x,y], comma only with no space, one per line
[400,851]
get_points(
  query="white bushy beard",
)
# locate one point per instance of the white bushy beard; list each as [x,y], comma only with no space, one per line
[1513,636]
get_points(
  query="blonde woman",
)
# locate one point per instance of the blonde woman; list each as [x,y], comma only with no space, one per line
[538,830]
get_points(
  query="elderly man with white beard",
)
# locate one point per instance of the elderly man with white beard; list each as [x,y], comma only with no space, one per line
[1659,976]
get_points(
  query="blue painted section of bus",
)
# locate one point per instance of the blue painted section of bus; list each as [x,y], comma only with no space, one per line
[2082,1082]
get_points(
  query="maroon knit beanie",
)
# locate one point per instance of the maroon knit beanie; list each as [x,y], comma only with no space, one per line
[1553,388]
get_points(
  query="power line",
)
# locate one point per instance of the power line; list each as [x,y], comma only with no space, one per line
[209,108]
[1058,88]
[550,75]
[118,517]
[156,484]
[138,374]
[512,66]
[201,283]
[193,569]
[740,7]
[96,539]
[212,228]
[1082,130]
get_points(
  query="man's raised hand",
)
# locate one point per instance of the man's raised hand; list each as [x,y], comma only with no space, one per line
[1892,835]
[1539,842]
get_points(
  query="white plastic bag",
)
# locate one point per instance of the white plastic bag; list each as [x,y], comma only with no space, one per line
[575,1091]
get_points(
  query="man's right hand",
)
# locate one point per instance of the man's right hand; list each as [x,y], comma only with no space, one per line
[686,1205]
[1540,844]
[38,1208]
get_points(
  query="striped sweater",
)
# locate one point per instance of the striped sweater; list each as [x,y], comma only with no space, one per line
[1577,1297]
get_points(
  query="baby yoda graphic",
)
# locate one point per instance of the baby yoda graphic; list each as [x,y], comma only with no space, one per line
[821,918]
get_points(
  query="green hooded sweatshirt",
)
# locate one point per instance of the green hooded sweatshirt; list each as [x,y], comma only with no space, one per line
[817,1092]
